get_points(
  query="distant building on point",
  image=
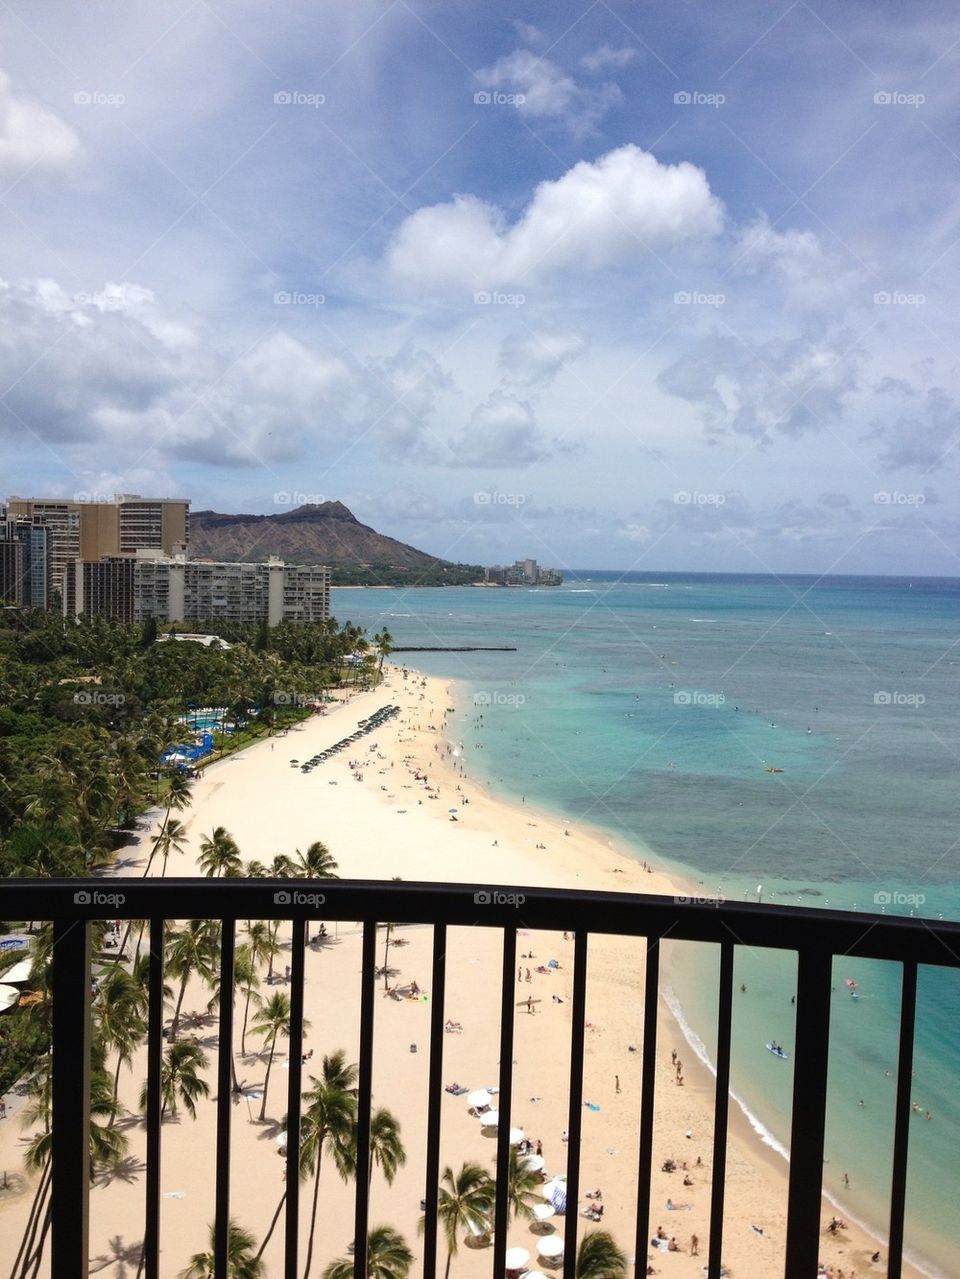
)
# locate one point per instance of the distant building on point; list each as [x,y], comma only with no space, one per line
[522,573]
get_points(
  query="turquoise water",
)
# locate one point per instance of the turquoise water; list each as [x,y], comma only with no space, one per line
[653,708]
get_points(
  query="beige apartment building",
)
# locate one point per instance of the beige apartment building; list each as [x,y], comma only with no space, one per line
[91,530]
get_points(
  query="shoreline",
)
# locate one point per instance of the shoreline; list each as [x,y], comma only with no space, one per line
[386,824]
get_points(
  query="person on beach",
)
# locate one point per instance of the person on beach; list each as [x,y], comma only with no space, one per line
[694,1246]
[616,1082]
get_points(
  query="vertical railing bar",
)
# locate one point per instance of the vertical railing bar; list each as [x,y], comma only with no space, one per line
[298,946]
[721,1109]
[365,1088]
[575,1114]
[901,1130]
[809,1111]
[434,1100]
[651,997]
[224,1100]
[70,1098]
[151,1234]
[504,1099]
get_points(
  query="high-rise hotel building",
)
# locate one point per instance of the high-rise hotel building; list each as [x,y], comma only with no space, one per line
[91,530]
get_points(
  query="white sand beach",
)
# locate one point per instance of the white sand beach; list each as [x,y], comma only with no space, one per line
[389,824]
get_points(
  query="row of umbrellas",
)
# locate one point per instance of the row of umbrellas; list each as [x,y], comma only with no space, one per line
[365,726]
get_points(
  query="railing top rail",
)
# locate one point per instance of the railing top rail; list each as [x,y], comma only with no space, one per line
[863,935]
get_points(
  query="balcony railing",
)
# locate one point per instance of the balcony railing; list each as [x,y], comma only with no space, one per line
[816,936]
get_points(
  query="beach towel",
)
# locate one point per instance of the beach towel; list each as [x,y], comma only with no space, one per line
[590,1105]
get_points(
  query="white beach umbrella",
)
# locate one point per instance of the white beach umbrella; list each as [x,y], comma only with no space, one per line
[480,1099]
[516,1136]
[551,1246]
[515,1258]
[543,1212]
[533,1163]
[9,997]
[281,1140]
[490,1119]
[19,972]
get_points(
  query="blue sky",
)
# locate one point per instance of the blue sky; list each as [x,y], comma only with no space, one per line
[613,285]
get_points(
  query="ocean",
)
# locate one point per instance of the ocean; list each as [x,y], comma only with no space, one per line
[653,707]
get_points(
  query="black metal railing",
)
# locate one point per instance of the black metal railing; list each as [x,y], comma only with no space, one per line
[816,936]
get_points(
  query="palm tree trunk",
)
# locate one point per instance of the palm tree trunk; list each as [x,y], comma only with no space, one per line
[33,1218]
[243,1033]
[176,1012]
[266,1080]
[446,1273]
[313,1217]
[116,1088]
[273,1226]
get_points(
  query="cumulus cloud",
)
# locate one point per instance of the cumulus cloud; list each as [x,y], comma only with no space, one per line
[108,369]
[779,386]
[924,441]
[33,137]
[605,57]
[402,401]
[599,214]
[796,261]
[502,431]
[546,92]
[533,358]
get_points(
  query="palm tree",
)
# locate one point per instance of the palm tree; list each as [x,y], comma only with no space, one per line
[219,853]
[272,1019]
[465,1202]
[388,1257]
[242,1261]
[179,798]
[171,839]
[180,1079]
[195,949]
[328,1124]
[599,1257]
[386,1148]
[120,1010]
[523,1188]
[316,863]
[384,644]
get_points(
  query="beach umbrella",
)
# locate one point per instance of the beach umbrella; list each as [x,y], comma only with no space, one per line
[555,1192]
[480,1099]
[543,1212]
[490,1119]
[281,1140]
[535,1274]
[9,998]
[534,1163]
[516,1136]
[516,1258]
[551,1247]
[19,972]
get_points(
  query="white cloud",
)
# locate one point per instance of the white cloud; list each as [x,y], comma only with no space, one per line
[599,214]
[778,386]
[502,432]
[33,137]
[606,56]
[798,263]
[533,358]
[547,92]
